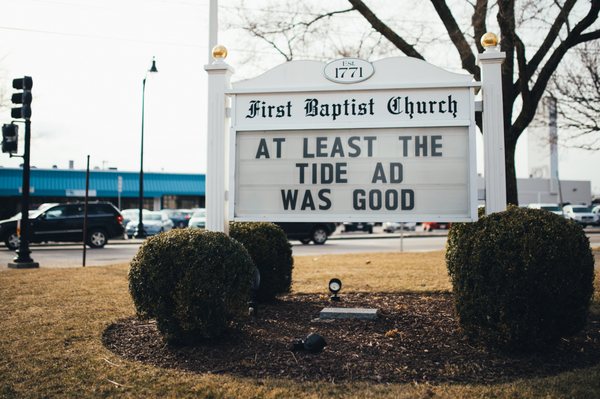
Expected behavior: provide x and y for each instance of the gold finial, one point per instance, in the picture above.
(489, 40)
(219, 52)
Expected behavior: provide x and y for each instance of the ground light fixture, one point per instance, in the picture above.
(313, 343)
(335, 285)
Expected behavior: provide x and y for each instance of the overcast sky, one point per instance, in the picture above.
(88, 59)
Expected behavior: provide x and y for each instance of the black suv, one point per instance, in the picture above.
(64, 222)
(307, 232)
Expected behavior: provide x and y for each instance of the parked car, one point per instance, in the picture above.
(307, 232)
(198, 219)
(430, 226)
(554, 208)
(354, 226)
(391, 227)
(596, 211)
(179, 217)
(64, 223)
(154, 223)
(581, 214)
(131, 214)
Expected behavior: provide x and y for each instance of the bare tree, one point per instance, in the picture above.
(576, 87)
(535, 35)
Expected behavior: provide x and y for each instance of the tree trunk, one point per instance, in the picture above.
(512, 196)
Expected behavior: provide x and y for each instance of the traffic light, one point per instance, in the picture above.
(24, 98)
(10, 137)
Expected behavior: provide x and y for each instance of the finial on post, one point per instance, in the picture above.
(219, 53)
(489, 41)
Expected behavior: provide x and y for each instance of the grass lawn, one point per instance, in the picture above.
(53, 319)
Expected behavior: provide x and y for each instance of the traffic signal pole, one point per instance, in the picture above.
(23, 259)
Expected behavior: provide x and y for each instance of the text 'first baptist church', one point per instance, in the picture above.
(351, 107)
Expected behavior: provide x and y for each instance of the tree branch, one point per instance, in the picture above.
(572, 39)
(562, 17)
(478, 21)
(385, 30)
(326, 15)
(467, 57)
(588, 37)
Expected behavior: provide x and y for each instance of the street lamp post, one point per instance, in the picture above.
(140, 232)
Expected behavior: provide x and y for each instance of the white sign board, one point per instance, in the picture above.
(79, 193)
(385, 149)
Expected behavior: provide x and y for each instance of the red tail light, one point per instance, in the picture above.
(120, 219)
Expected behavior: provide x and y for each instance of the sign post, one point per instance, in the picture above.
(219, 74)
(490, 62)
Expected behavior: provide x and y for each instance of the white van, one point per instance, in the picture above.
(581, 214)
(554, 208)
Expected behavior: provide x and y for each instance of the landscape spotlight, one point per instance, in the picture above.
(313, 343)
(335, 285)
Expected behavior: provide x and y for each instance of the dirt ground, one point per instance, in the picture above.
(415, 338)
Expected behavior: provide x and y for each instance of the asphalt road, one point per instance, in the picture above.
(122, 251)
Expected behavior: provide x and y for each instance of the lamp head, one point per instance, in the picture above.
(335, 285)
(153, 67)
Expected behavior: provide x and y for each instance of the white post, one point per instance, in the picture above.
(219, 74)
(490, 62)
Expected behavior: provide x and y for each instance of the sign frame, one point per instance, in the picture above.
(237, 127)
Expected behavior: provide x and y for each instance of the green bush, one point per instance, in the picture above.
(522, 278)
(272, 254)
(194, 283)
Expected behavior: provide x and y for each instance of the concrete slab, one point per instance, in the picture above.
(348, 313)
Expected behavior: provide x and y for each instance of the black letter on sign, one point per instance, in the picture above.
(408, 199)
(435, 145)
(396, 175)
(375, 200)
(278, 141)
(308, 201)
(379, 174)
(325, 201)
(289, 197)
(262, 149)
(358, 200)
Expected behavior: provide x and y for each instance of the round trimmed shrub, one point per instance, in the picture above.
(271, 252)
(522, 278)
(193, 282)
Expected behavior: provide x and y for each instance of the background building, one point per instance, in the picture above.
(161, 190)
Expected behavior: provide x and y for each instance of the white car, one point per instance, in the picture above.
(596, 211)
(554, 208)
(581, 214)
(391, 227)
(198, 219)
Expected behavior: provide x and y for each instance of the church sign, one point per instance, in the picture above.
(394, 141)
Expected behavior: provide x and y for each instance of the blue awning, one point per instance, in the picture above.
(103, 183)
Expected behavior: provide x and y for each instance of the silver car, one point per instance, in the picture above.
(154, 223)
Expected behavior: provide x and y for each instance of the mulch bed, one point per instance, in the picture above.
(416, 338)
